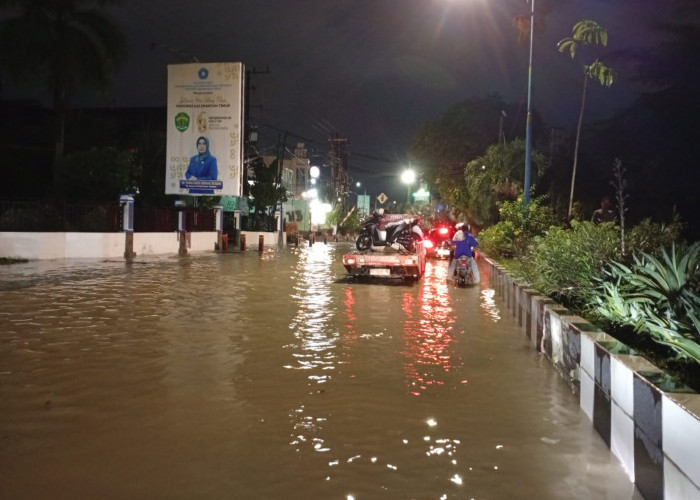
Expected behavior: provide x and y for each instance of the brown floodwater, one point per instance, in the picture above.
(271, 376)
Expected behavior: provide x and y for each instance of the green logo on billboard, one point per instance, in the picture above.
(182, 121)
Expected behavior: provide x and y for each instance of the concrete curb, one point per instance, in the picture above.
(650, 421)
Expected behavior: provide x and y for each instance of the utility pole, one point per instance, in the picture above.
(281, 148)
(501, 134)
(339, 164)
(528, 123)
(249, 132)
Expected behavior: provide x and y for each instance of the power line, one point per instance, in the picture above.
(353, 154)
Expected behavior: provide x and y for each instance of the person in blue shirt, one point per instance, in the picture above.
(203, 165)
(464, 243)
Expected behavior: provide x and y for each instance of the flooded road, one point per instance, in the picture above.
(249, 376)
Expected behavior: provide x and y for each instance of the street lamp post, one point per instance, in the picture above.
(528, 123)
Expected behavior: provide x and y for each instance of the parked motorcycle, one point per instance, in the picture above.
(399, 232)
(464, 276)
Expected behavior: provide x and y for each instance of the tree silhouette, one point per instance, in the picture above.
(586, 32)
(62, 45)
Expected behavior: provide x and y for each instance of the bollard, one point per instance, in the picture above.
(129, 253)
(221, 245)
(261, 243)
(311, 240)
(182, 239)
(181, 230)
(243, 245)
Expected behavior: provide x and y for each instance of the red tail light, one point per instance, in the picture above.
(443, 230)
(428, 244)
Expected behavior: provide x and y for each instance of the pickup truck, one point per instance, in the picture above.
(386, 264)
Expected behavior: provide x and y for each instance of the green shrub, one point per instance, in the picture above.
(658, 298)
(564, 262)
(499, 241)
(514, 232)
(652, 237)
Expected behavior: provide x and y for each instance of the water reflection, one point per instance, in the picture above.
(316, 340)
(266, 375)
(349, 328)
(427, 331)
(311, 284)
(488, 304)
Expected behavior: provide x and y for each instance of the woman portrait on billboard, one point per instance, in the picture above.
(203, 165)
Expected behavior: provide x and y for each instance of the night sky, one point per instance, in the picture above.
(374, 70)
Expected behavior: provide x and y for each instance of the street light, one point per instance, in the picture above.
(528, 123)
(311, 194)
(314, 172)
(408, 177)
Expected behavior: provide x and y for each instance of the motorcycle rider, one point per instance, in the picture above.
(464, 242)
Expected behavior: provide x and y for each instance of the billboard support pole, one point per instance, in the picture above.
(181, 230)
(127, 204)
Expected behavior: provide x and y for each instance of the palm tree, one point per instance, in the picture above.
(61, 45)
(586, 32)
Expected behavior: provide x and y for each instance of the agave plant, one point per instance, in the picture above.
(656, 297)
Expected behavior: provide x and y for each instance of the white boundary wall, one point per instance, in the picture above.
(47, 246)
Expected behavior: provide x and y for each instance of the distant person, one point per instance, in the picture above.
(464, 243)
(203, 165)
(604, 213)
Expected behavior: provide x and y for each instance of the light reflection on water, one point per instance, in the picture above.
(272, 376)
(488, 304)
(317, 343)
(428, 336)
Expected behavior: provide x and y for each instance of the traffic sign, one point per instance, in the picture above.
(381, 198)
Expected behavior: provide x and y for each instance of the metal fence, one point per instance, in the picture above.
(50, 216)
(47, 216)
(160, 219)
(263, 223)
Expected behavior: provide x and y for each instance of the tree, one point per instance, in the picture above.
(97, 175)
(347, 220)
(266, 191)
(496, 177)
(62, 45)
(443, 147)
(586, 32)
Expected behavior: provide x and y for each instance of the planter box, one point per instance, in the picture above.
(650, 422)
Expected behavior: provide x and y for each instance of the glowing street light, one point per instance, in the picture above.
(314, 172)
(408, 177)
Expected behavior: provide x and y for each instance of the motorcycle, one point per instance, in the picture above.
(464, 276)
(398, 232)
(444, 250)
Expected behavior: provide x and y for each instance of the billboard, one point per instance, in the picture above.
(204, 152)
